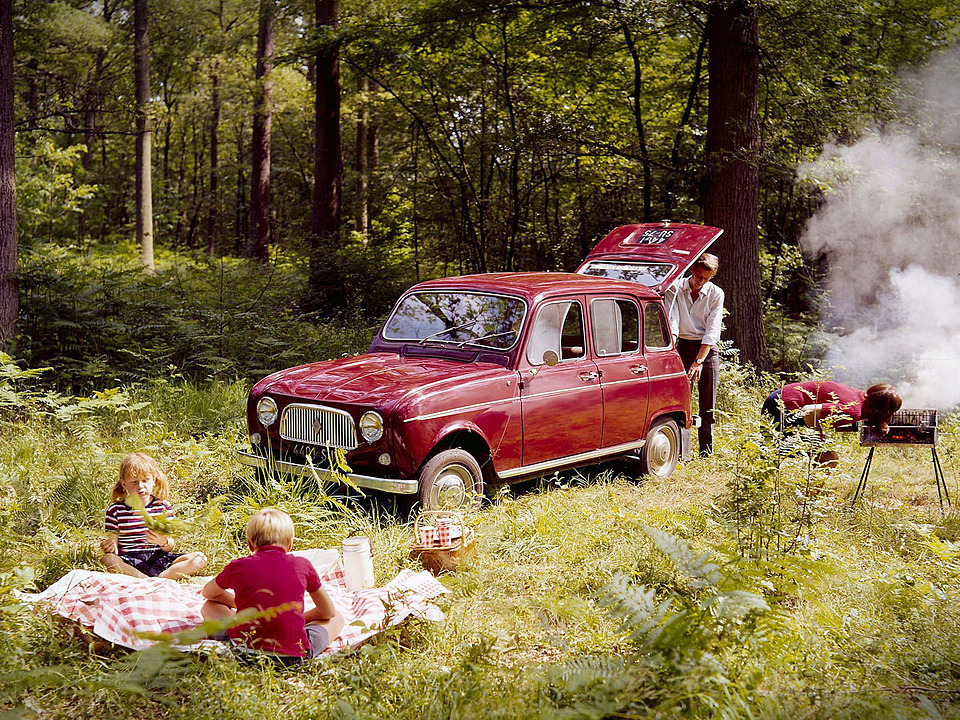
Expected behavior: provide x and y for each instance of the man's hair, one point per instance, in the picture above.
(708, 262)
(270, 527)
(879, 405)
(136, 465)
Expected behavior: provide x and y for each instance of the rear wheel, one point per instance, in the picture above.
(451, 480)
(661, 451)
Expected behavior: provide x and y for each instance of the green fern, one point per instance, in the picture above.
(640, 614)
(697, 568)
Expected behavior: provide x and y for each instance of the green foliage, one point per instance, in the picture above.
(99, 320)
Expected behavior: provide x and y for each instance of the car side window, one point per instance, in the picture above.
(616, 326)
(558, 327)
(656, 332)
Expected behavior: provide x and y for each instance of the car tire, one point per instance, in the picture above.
(661, 452)
(451, 480)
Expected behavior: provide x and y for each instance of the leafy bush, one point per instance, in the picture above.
(100, 320)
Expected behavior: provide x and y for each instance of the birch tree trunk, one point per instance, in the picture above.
(144, 163)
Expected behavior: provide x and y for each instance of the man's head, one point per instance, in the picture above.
(703, 271)
(270, 527)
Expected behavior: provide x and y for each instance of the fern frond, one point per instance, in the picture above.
(636, 606)
(734, 605)
(585, 671)
(697, 568)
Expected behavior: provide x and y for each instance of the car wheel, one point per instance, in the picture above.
(661, 451)
(450, 480)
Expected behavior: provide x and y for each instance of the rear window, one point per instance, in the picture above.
(649, 274)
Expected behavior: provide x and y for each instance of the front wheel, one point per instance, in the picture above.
(661, 451)
(450, 480)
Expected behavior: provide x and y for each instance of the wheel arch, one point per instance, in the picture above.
(470, 440)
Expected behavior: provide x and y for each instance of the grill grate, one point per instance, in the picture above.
(908, 428)
(318, 425)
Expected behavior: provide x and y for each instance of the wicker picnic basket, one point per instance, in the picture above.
(446, 554)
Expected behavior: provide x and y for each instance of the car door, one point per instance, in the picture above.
(624, 378)
(561, 404)
(664, 368)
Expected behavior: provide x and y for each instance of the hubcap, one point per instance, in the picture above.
(450, 488)
(663, 450)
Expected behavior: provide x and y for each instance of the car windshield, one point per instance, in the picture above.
(457, 318)
(649, 274)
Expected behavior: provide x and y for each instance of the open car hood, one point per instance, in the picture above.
(651, 254)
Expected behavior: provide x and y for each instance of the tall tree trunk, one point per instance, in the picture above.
(328, 156)
(638, 121)
(213, 210)
(9, 296)
(239, 231)
(362, 220)
(731, 199)
(144, 164)
(260, 230)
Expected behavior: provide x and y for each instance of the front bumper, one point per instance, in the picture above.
(390, 485)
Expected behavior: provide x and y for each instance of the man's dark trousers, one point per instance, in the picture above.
(706, 388)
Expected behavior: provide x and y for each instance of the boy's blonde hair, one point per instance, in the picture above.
(135, 465)
(270, 527)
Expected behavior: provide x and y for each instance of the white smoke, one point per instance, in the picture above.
(891, 230)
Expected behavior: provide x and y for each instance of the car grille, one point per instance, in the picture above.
(318, 425)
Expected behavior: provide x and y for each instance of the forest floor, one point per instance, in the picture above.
(743, 586)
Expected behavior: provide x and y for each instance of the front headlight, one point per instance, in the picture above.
(267, 411)
(371, 426)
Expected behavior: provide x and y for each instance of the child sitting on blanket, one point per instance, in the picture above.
(272, 578)
(135, 545)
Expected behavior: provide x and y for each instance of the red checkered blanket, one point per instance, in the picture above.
(123, 610)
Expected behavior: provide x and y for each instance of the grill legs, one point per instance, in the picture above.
(862, 485)
(942, 492)
(941, 481)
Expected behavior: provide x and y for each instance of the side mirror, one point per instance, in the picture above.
(550, 357)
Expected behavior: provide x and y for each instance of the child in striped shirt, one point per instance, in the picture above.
(131, 547)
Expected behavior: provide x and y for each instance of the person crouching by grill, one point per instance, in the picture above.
(809, 404)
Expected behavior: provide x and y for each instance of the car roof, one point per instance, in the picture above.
(533, 286)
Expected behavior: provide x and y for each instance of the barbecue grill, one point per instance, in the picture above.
(908, 428)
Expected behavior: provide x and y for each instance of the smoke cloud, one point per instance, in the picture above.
(891, 231)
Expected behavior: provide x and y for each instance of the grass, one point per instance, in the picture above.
(861, 620)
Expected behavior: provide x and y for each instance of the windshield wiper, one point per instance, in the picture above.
(476, 340)
(446, 330)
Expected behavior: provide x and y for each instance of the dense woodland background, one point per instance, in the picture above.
(196, 193)
(357, 147)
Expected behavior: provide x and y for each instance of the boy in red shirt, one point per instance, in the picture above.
(272, 578)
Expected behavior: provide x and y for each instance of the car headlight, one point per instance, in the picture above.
(267, 411)
(371, 426)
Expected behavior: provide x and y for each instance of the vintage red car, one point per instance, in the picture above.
(492, 378)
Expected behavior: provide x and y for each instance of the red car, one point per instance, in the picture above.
(494, 378)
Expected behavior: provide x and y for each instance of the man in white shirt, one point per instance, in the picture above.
(695, 306)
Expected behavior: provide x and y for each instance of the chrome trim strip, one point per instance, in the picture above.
(572, 459)
(391, 485)
(459, 410)
(668, 375)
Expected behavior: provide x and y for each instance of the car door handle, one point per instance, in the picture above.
(588, 376)
(638, 369)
